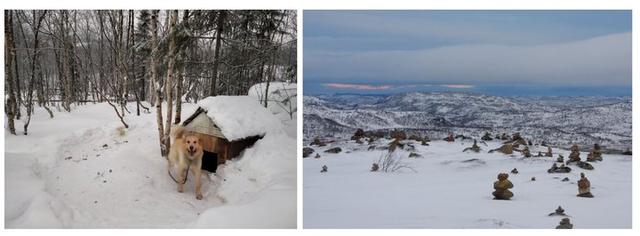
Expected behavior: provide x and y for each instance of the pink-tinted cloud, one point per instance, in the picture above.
(458, 86)
(358, 86)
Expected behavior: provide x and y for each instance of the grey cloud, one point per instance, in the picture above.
(600, 60)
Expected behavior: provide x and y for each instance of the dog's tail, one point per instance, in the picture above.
(176, 132)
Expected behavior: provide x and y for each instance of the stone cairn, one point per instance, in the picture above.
(565, 223)
(474, 147)
(558, 212)
(450, 138)
(486, 137)
(526, 152)
(584, 187)
(574, 156)
(595, 154)
(502, 187)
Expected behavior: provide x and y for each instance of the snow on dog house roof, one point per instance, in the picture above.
(232, 118)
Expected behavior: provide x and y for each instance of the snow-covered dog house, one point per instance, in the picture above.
(227, 125)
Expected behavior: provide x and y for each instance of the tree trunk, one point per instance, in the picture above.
(100, 82)
(181, 75)
(34, 58)
(156, 81)
(216, 53)
(169, 83)
(8, 55)
(66, 58)
(18, 92)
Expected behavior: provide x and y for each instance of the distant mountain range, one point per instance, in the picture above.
(559, 121)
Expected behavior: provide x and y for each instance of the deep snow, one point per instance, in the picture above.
(446, 192)
(79, 171)
(240, 116)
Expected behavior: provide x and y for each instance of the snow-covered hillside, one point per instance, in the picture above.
(556, 120)
(452, 189)
(80, 170)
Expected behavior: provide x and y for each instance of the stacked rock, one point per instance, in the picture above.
(584, 187)
(502, 187)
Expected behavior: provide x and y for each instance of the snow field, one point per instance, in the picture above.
(447, 192)
(78, 171)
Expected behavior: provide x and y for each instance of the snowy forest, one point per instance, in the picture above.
(56, 59)
(92, 97)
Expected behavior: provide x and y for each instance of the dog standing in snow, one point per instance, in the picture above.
(186, 155)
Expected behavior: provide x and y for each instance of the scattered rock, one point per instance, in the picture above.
(560, 159)
(371, 148)
(334, 150)
(317, 155)
(533, 178)
(416, 137)
(68, 158)
(324, 169)
(475, 160)
(375, 167)
(584, 165)
(358, 135)
(105, 146)
(398, 135)
(565, 179)
(318, 142)
(506, 149)
(555, 169)
(414, 155)
(307, 151)
(473, 148)
(514, 171)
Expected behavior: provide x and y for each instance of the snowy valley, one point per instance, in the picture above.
(559, 121)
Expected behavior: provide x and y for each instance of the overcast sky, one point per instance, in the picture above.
(465, 49)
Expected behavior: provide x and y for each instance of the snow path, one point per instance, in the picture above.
(78, 171)
(449, 193)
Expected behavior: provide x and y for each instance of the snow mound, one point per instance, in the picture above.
(261, 183)
(240, 116)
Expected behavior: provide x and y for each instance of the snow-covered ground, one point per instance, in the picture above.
(79, 171)
(449, 190)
